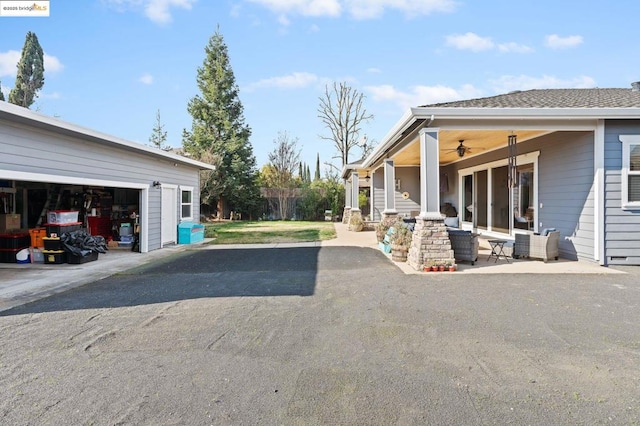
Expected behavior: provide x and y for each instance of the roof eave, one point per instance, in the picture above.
(426, 113)
(407, 119)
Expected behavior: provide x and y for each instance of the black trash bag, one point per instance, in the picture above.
(80, 243)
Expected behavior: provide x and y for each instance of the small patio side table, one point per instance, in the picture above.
(497, 250)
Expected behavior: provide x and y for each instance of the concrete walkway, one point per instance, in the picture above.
(20, 284)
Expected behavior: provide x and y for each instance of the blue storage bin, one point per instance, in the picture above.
(190, 233)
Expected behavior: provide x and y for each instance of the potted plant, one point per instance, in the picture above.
(400, 242)
(428, 266)
(452, 266)
(441, 267)
(381, 231)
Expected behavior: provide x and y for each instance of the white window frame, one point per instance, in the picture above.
(627, 142)
(190, 204)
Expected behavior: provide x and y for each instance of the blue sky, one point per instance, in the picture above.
(111, 64)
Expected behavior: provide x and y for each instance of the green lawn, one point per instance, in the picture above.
(239, 232)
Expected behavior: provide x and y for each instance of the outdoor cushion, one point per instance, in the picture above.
(452, 222)
(546, 231)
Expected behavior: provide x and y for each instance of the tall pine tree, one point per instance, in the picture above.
(158, 136)
(30, 76)
(1, 94)
(218, 130)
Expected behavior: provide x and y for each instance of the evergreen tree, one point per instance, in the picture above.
(30, 76)
(1, 94)
(317, 175)
(307, 175)
(158, 137)
(218, 130)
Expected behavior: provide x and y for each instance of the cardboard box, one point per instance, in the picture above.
(9, 222)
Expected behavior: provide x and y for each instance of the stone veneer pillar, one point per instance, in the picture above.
(354, 213)
(346, 215)
(430, 243)
(388, 219)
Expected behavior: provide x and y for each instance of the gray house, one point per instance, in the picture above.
(49, 164)
(518, 163)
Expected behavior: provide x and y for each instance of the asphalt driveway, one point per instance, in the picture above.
(332, 335)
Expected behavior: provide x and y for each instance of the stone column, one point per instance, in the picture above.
(430, 243)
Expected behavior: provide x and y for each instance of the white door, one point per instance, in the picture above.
(169, 214)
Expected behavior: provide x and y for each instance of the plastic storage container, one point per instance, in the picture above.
(52, 243)
(57, 229)
(14, 241)
(61, 217)
(8, 255)
(189, 233)
(72, 258)
(54, 257)
(36, 237)
(37, 256)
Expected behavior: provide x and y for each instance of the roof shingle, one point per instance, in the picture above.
(552, 98)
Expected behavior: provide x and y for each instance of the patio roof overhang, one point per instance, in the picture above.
(484, 129)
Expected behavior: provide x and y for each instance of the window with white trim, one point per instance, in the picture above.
(630, 171)
(186, 203)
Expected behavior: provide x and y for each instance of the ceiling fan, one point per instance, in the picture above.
(461, 149)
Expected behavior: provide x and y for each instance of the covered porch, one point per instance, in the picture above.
(494, 173)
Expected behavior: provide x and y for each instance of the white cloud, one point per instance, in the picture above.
(159, 11)
(146, 79)
(296, 80)
(9, 61)
(302, 7)
(554, 41)
(514, 47)
(475, 43)
(374, 70)
(358, 9)
(470, 41)
(369, 9)
(314, 28)
(52, 64)
(509, 83)
(421, 95)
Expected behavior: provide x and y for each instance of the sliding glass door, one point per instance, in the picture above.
(489, 204)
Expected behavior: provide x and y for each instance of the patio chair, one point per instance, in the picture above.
(540, 246)
(465, 245)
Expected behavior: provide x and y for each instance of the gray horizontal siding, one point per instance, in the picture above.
(409, 182)
(566, 174)
(622, 227)
(378, 194)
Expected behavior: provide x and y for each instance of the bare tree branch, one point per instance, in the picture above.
(342, 112)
